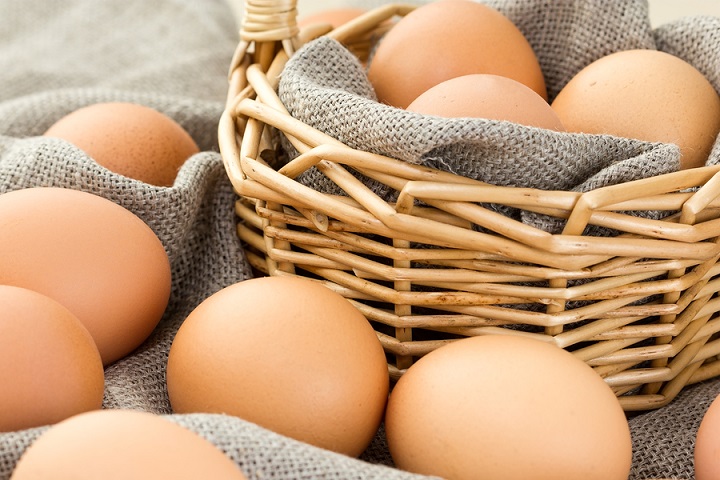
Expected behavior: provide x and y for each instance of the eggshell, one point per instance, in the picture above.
(286, 353)
(644, 94)
(50, 368)
(446, 39)
(129, 139)
(510, 407)
(123, 444)
(333, 17)
(483, 95)
(91, 255)
(707, 444)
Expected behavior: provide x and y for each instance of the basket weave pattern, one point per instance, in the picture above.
(434, 264)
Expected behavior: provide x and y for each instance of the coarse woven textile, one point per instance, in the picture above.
(566, 35)
(173, 55)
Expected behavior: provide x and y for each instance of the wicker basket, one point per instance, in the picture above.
(640, 307)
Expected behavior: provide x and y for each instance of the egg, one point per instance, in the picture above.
(50, 368)
(130, 139)
(510, 407)
(333, 17)
(484, 95)
(647, 95)
(288, 354)
(707, 444)
(123, 444)
(446, 39)
(96, 258)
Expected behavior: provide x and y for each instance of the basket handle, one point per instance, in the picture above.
(268, 22)
(368, 21)
(263, 25)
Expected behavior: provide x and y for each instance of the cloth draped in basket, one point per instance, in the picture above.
(325, 77)
(173, 55)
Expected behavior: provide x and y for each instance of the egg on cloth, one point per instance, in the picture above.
(129, 139)
(483, 95)
(446, 39)
(288, 354)
(507, 407)
(96, 258)
(122, 444)
(647, 95)
(50, 368)
(706, 454)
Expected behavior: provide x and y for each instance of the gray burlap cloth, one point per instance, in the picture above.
(173, 55)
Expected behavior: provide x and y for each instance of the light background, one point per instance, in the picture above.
(661, 11)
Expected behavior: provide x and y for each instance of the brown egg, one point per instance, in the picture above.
(133, 140)
(333, 17)
(483, 95)
(50, 368)
(707, 444)
(288, 354)
(123, 444)
(647, 95)
(505, 406)
(446, 39)
(91, 255)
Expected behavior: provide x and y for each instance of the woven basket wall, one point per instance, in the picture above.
(640, 307)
